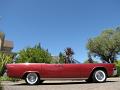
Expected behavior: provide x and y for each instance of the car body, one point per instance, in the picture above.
(42, 71)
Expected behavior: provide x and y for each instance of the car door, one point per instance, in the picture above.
(52, 70)
(71, 71)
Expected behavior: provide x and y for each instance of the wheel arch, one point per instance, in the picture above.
(98, 68)
(25, 74)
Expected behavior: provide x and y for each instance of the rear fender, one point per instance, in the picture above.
(98, 68)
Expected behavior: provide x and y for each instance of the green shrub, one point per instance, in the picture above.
(5, 78)
(118, 70)
(117, 63)
(4, 59)
(34, 54)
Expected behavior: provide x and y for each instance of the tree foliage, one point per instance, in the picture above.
(68, 55)
(69, 52)
(61, 58)
(118, 67)
(34, 54)
(106, 45)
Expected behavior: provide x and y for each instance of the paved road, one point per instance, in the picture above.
(111, 84)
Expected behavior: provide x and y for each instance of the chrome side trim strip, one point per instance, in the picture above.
(64, 78)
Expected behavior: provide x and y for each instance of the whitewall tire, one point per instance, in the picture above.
(32, 78)
(99, 76)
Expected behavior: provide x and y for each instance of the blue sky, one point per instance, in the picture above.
(57, 24)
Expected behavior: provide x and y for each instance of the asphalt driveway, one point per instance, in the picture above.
(111, 84)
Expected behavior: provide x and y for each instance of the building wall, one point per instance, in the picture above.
(0, 43)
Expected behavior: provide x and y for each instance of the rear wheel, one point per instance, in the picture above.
(99, 76)
(32, 79)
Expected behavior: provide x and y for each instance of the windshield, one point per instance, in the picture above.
(74, 61)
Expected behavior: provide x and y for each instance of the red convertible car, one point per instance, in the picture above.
(35, 73)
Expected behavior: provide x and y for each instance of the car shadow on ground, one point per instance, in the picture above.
(61, 83)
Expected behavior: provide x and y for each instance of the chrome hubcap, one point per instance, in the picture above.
(32, 78)
(100, 75)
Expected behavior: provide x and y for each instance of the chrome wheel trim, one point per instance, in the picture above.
(100, 76)
(32, 78)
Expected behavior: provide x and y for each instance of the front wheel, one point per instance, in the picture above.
(99, 76)
(32, 78)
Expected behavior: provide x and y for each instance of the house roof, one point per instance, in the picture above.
(8, 44)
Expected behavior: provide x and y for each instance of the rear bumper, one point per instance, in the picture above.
(114, 72)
